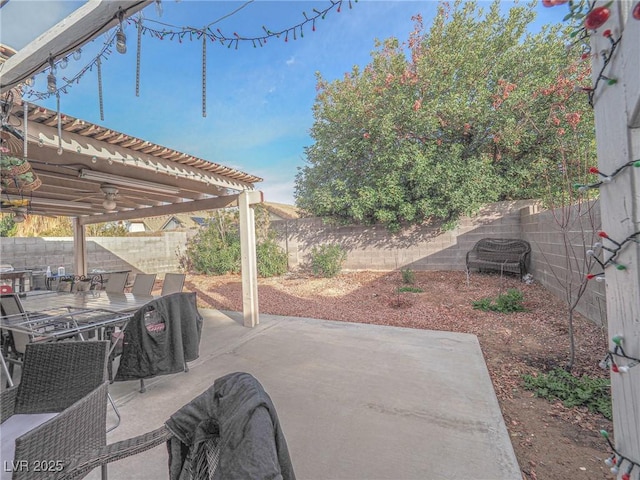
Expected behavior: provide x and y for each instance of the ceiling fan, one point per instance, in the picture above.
(109, 194)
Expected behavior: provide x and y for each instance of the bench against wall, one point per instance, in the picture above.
(500, 254)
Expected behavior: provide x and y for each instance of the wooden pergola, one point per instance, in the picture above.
(95, 174)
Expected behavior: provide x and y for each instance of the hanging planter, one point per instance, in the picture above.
(17, 176)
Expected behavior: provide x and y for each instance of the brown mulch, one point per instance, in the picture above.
(550, 441)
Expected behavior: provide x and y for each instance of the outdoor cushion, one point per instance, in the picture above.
(14, 427)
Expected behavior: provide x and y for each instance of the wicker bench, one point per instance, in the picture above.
(500, 254)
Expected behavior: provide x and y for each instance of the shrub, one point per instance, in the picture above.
(410, 289)
(272, 260)
(327, 260)
(558, 384)
(215, 249)
(408, 276)
(504, 303)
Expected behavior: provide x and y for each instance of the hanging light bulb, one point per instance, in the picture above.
(121, 38)
(30, 81)
(77, 55)
(51, 83)
(51, 78)
(121, 42)
(63, 63)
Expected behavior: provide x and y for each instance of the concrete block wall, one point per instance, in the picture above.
(419, 247)
(156, 254)
(549, 258)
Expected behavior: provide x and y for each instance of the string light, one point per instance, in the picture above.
(180, 33)
(617, 461)
(190, 33)
(590, 18)
(618, 353)
(614, 250)
(606, 178)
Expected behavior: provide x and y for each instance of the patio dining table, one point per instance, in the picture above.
(57, 315)
(91, 299)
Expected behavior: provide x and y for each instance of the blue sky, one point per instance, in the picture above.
(259, 100)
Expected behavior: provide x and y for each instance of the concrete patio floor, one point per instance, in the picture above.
(355, 401)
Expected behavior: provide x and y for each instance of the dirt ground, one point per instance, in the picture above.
(550, 441)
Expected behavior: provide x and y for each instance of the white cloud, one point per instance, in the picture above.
(291, 60)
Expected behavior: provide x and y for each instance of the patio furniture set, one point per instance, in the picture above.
(65, 345)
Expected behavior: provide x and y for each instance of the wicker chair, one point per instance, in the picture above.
(67, 381)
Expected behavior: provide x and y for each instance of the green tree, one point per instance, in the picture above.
(438, 127)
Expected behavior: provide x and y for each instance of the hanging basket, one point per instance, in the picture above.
(17, 176)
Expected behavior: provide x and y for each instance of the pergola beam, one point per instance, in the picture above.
(79, 28)
(171, 209)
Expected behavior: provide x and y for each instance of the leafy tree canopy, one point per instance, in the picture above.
(457, 117)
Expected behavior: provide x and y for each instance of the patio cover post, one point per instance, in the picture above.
(79, 248)
(248, 256)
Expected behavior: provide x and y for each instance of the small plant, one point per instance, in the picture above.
(408, 276)
(327, 260)
(504, 303)
(410, 289)
(558, 384)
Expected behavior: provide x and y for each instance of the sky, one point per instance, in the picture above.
(259, 100)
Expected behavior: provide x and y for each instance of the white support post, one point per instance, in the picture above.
(618, 138)
(79, 248)
(248, 255)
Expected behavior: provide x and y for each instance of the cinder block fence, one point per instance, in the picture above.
(424, 247)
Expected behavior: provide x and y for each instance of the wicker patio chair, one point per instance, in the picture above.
(231, 430)
(58, 410)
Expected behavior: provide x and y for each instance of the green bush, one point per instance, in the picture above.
(504, 303)
(408, 276)
(272, 260)
(558, 384)
(327, 260)
(215, 250)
